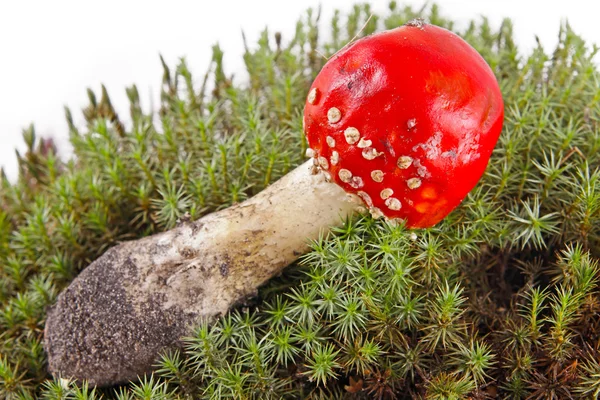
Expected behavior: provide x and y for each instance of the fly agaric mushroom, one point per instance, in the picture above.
(406, 120)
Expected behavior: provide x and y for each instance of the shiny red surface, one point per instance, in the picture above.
(384, 82)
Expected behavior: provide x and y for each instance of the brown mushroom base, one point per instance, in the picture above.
(140, 297)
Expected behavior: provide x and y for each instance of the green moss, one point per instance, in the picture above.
(501, 298)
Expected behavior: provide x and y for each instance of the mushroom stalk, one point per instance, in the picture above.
(141, 296)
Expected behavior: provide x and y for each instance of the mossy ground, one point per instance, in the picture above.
(499, 300)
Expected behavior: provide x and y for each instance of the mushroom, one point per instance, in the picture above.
(407, 120)
(401, 123)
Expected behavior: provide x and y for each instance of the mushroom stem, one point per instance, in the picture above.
(141, 296)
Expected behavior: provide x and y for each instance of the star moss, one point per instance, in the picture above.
(500, 299)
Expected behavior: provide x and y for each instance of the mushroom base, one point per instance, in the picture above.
(140, 297)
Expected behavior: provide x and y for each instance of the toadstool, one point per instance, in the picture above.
(407, 120)
(401, 123)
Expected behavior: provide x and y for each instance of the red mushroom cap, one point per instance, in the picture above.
(406, 119)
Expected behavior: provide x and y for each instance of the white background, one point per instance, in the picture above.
(51, 51)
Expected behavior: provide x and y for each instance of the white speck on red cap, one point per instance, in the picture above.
(362, 144)
(330, 141)
(352, 135)
(366, 198)
(411, 123)
(393, 203)
(357, 182)
(376, 212)
(312, 96)
(335, 157)
(370, 153)
(377, 175)
(334, 115)
(385, 193)
(345, 175)
(404, 162)
(413, 183)
(323, 163)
